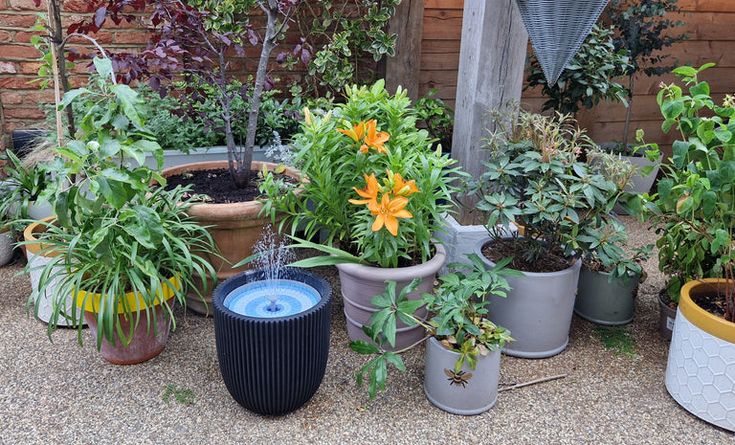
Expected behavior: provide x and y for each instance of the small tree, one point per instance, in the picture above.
(588, 78)
(644, 29)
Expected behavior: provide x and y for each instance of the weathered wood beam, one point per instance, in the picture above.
(403, 69)
(491, 64)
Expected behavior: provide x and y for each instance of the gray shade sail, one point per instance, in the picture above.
(557, 29)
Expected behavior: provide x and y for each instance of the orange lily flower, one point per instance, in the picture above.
(374, 138)
(402, 187)
(356, 133)
(369, 193)
(388, 212)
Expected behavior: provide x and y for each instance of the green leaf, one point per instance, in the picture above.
(69, 97)
(363, 347)
(103, 66)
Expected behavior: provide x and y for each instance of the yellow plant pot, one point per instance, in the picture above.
(712, 324)
(90, 302)
(700, 374)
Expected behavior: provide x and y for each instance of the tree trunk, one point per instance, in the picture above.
(628, 112)
(269, 42)
(56, 40)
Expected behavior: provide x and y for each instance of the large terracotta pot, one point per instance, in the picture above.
(148, 341)
(359, 284)
(700, 374)
(38, 257)
(234, 227)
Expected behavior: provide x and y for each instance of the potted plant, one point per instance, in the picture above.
(462, 364)
(609, 278)
(688, 195)
(232, 213)
(26, 187)
(535, 179)
(123, 249)
(376, 193)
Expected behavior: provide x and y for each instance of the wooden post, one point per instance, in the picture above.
(403, 69)
(491, 65)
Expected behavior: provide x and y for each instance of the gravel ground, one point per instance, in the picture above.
(61, 393)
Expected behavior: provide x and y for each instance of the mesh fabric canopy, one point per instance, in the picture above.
(557, 29)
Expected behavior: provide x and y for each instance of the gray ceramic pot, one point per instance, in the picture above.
(604, 301)
(360, 284)
(472, 392)
(537, 311)
(666, 317)
(7, 244)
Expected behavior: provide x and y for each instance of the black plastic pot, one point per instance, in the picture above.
(272, 366)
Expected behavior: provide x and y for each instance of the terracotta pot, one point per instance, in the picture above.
(700, 373)
(147, 341)
(360, 284)
(666, 317)
(234, 227)
(38, 256)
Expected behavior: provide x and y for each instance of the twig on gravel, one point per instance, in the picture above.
(533, 382)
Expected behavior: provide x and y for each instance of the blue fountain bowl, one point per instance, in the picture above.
(272, 298)
(272, 361)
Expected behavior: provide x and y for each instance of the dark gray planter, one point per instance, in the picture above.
(473, 392)
(604, 301)
(537, 311)
(666, 318)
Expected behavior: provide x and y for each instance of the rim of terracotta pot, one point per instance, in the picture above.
(709, 323)
(569, 270)
(233, 211)
(29, 235)
(398, 273)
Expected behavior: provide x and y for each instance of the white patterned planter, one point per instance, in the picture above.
(700, 374)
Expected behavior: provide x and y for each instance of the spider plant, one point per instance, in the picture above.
(140, 248)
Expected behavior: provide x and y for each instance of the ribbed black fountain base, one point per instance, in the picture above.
(272, 366)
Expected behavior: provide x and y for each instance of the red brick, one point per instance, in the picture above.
(14, 125)
(17, 20)
(29, 67)
(25, 36)
(101, 37)
(24, 113)
(16, 82)
(5, 36)
(136, 37)
(19, 52)
(30, 96)
(77, 5)
(28, 5)
(8, 68)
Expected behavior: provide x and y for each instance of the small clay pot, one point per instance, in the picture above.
(145, 343)
(360, 284)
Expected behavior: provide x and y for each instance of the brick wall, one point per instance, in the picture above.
(20, 101)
